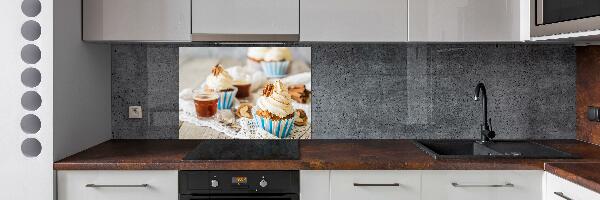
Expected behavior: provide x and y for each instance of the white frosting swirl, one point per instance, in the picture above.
(278, 54)
(279, 103)
(222, 81)
(257, 53)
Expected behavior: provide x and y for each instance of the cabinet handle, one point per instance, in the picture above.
(562, 195)
(493, 185)
(376, 184)
(115, 186)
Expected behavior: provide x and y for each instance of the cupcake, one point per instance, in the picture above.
(273, 111)
(276, 61)
(255, 55)
(220, 82)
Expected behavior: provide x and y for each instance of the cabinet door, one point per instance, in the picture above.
(117, 185)
(228, 19)
(482, 185)
(354, 20)
(314, 185)
(468, 21)
(136, 20)
(560, 189)
(375, 185)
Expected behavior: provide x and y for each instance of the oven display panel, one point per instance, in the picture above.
(239, 180)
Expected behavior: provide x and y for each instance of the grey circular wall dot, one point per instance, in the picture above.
(31, 54)
(31, 147)
(31, 77)
(31, 100)
(31, 30)
(31, 8)
(30, 124)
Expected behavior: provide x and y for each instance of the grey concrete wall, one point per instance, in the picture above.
(383, 90)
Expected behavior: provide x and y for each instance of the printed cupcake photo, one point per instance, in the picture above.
(274, 112)
(255, 55)
(221, 83)
(276, 62)
(244, 93)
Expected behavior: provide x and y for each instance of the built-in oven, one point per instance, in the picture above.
(238, 185)
(552, 17)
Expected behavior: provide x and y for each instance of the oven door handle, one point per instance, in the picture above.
(194, 198)
(189, 197)
(205, 197)
(285, 196)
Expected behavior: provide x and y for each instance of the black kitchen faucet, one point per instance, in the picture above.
(487, 134)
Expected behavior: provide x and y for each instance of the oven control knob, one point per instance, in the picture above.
(214, 183)
(263, 183)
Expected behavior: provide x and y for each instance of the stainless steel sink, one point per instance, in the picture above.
(469, 149)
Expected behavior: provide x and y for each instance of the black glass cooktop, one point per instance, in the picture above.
(245, 150)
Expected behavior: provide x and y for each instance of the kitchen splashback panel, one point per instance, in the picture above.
(374, 91)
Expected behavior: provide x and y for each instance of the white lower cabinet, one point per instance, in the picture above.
(375, 185)
(314, 184)
(482, 185)
(560, 189)
(117, 185)
(341, 185)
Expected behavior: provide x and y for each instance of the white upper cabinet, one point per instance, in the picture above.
(468, 20)
(136, 20)
(307, 20)
(245, 20)
(354, 20)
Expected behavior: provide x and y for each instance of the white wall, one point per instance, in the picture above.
(75, 95)
(23, 177)
(82, 86)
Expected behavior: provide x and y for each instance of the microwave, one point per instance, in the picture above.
(553, 17)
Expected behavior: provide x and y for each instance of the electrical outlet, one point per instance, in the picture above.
(135, 112)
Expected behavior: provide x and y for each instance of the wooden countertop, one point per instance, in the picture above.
(314, 155)
(584, 174)
(331, 155)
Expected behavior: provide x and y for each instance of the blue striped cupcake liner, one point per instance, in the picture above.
(226, 99)
(275, 69)
(278, 128)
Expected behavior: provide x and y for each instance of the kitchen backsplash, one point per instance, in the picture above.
(375, 91)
